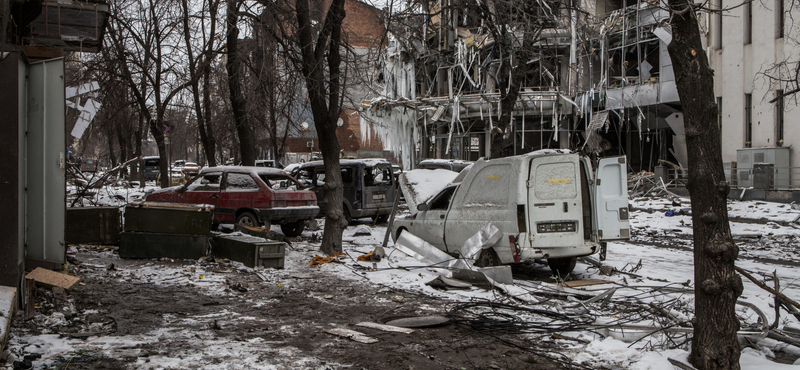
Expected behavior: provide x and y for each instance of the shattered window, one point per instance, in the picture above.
(347, 175)
(377, 176)
(442, 201)
(240, 181)
(279, 182)
(208, 182)
(490, 187)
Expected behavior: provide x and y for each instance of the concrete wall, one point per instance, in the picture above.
(738, 69)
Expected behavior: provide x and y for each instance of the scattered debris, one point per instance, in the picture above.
(49, 278)
(385, 327)
(319, 260)
(352, 334)
(446, 283)
(362, 230)
(417, 321)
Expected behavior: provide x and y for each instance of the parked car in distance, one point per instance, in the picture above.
(447, 164)
(152, 166)
(176, 177)
(191, 169)
(547, 204)
(250, 196)
(368, 187)
(268, 163)
(89, 165)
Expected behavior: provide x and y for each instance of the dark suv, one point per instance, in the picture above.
(368, 187)
(247, 195)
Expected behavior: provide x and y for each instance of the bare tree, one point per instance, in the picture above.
(200, 69)
(234, 67)
(314, 46)
(146, 36)
(717, 287)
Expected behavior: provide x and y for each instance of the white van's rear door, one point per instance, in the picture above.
(554, 201)
(611, 199)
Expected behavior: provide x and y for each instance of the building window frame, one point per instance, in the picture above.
(780, 19)
(748, 22)
(779, 116)
(748, 120)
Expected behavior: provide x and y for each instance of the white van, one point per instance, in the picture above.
(548, 204)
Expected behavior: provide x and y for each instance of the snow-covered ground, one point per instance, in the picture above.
(655, 267)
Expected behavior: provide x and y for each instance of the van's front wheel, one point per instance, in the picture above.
(562, 266)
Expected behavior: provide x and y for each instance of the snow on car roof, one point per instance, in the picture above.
(244, 169)
(443, 161)
(346, 162)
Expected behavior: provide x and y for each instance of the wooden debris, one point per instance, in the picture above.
(49, 278)
(29, 299)
(352, 334)
(391, 328)
(765, 287)
(319, 260)
(586, 282)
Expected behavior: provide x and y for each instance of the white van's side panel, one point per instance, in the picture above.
(611, 197)
(487, 195)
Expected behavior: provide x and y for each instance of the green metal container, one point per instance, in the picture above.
(151, 245)
(168, 219)
(92, 225)
(249, 250)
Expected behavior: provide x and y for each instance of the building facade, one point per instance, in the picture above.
(754, 52)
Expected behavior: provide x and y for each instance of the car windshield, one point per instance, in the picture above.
(280, 182)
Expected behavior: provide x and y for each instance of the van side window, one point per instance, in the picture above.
(240, 182)
(347, 175)
(377, 176)
(209, 182)
(490, 187)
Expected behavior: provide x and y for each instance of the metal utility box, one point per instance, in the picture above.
(151, 245)
(249, 250)
(168, 219)
(779, 157)
(92, 225)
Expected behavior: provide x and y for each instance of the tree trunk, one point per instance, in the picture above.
(238, 103)
(163, 168)
(715, 344)
(325, 106)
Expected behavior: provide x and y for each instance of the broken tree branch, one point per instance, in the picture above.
(765, 287)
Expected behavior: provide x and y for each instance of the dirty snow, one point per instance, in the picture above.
(657, 263)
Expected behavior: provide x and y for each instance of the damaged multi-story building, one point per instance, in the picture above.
(599, 80)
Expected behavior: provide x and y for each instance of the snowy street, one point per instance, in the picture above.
(632, 313)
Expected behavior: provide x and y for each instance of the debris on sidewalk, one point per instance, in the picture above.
(362, 230)
(50, 279)
(352, 334)
(319, 260)
(384, 327)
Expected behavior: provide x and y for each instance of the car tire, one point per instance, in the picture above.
(346, 214)
(562, 266)
(293, 228)
(248, 219)
(487, 258)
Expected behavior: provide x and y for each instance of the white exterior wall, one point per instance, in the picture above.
(737, 70)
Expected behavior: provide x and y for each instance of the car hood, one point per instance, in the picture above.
(419, 186)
